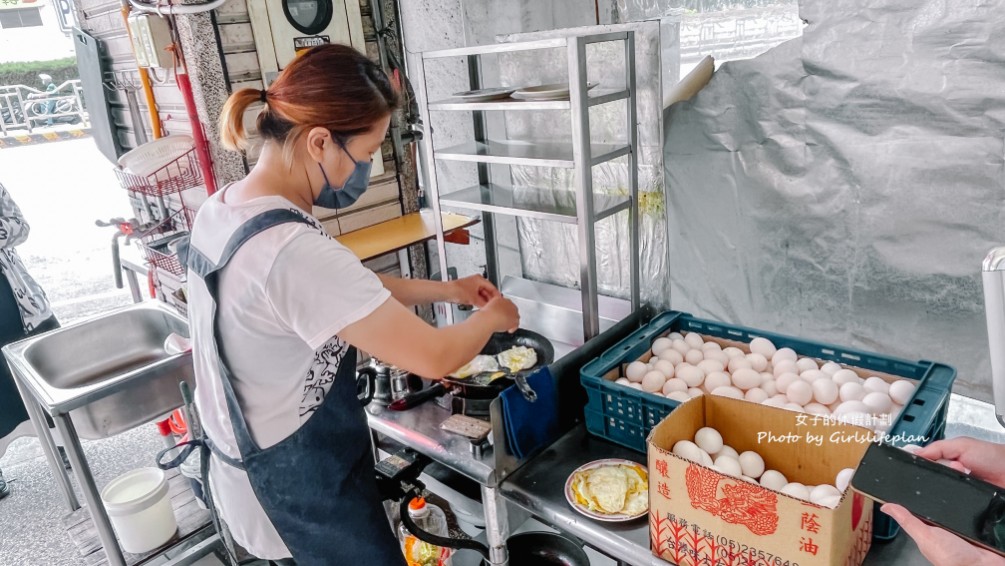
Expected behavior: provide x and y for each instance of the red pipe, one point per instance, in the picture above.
(201, 144)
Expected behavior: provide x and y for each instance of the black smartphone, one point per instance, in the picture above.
(971, 508)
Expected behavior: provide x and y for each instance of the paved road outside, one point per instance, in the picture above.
(62, 188)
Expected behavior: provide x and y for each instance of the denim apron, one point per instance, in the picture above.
(318, 485)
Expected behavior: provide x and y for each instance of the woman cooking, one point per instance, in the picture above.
(278, 309)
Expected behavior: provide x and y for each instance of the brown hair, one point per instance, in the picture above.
(329, 86)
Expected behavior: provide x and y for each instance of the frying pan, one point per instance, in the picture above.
(478, 386)
(525, 549)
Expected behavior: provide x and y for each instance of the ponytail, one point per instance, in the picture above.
(232, 132)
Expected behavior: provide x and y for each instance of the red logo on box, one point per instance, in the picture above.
(742, 503)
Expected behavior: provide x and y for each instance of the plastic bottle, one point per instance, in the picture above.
(431, 519)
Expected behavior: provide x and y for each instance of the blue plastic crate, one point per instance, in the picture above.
(626, 416)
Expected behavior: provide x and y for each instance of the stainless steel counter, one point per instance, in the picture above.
(539, 486)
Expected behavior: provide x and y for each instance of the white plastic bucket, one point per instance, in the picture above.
(140, 510)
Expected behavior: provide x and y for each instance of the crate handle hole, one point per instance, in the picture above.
(919, 402)
(909, 418)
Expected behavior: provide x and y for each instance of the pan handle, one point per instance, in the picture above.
(434, 539)
(521, 383)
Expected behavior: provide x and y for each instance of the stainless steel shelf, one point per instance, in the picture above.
(594, 97)
(497, 48)
(525, 153)
(542, 204)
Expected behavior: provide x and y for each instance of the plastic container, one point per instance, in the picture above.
(431, 519)
(140, 510)
(626, 416)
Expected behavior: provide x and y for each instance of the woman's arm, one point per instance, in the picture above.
(474, 290)
(13, 229)
(394, 334)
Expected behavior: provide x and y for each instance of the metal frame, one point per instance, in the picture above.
(581, 155)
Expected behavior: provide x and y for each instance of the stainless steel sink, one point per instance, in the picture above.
(111, 373)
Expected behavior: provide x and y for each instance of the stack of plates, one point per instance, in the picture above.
(555, 91)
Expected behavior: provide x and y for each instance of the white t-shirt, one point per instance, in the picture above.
(284, 297)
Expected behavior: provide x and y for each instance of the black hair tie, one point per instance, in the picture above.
(262, 96)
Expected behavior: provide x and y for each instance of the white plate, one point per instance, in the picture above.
(555, 91)
(484, 94)
(611, 518)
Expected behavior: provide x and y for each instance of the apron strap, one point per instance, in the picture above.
(209, 272)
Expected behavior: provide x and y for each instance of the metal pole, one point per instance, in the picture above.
(496, 525)
(634, 220)
(91, 496)
(432, 191)
(481, 136)
(583, 158)
(48, 444)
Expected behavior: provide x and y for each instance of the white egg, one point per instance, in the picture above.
(878, 402)
(622, 381)
(843, 479)
(877, 384)
(755, 395)
(783, 355)
(716, 380)
(773, 479)
(635, 385)
(769, 387)
(786, 366)
(739, 363)
(794, 407)
(675, 336)
(734, 352)
(719, 356)
(706, 460)
(785, 380)
(711, 347)
(781, 398)
(851, 392)
(758, 362)
(708, 439)
(653, 381)
(728, 391)
(813, 375)
(694, 340)
(746, 378)
(694, 357)
(752, 464)
(830, 368)
(895, 410)
(749, 479)
(901, 391)
(817, 409)
(691, 375)
(774, 402)
(763, 346)
(797, 490)
(672, 356)
(728, 450)
(818, 493)
(825, 391)
(661, 344)
(635, 371)
(664, 367)
(728, 465)
(852, 406)
(673, 385)
(799, 392)
(845, 376)
(687, 450)
(711, 366)
(806, 364)
(767, 375)
(681, 346)
(694, 392)
(679, 396)
(830, 502)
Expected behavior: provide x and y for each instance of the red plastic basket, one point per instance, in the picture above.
(181, 174)
(164, 259)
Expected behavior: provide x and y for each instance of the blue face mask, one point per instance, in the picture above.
(351, 190)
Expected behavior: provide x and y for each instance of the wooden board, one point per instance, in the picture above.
(399, 233)
(191, 519)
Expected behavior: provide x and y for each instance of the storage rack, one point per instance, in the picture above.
(579, 154)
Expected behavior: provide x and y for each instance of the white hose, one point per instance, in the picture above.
(176, 8)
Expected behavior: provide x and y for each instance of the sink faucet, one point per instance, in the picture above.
(993, 274)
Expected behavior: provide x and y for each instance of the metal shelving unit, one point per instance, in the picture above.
(580, 205)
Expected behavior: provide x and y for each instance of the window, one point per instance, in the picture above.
(22, 18)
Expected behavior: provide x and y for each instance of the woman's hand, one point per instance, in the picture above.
(941, 547)
(983, 460)
(472, 290)
(503, 313)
